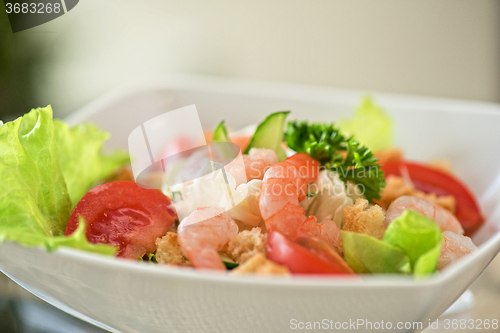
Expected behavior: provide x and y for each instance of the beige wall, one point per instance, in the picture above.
(448, 48)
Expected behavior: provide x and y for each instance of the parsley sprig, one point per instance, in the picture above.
(344, 155)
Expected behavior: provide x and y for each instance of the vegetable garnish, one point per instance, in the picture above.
(269, 134)
(220, 133)
(78, 240)
(84, 164)
(411, 243)
(366, 254)
(419, 237)
(42, 169)
(344, 155)
(371, 126)
(150, 257)
(228, 262)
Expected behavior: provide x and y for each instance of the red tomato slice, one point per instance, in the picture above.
(124, 215)
(300, 260)
(431, 180)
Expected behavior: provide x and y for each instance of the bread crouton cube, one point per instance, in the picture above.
(258, 264)
(397, 187)
(363, 219)
(246, 244)
(168, 250)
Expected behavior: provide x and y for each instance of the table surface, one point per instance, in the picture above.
(41, 318)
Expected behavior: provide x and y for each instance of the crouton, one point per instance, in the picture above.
(168, 250)
(396, 187)
(447, 201)
(258, 264)
(246, 244)
(389, 155)
(363, 219)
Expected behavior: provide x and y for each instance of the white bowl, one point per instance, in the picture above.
(130, 296)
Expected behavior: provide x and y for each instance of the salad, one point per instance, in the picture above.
(308, 198)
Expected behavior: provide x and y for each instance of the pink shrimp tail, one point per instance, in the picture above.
(254, 168)
(204, 232)
(206, 258)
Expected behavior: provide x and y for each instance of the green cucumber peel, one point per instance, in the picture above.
(220, 133)
(269, 134)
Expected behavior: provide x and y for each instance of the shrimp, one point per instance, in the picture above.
(327, 231)
(446, 220)
(258, 161)
(204, 232)
(283, 187)
(268, 155)
(454, 247)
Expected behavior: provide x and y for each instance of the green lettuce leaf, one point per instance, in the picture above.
(77, 240)
(427, 262)
(84, 164)
(35, 203)
(411, 244)
(367, 254)
(419, 237)
(371, 126)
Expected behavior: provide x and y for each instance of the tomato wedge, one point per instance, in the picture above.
(124, 215)
(301, 260)
(431, 180)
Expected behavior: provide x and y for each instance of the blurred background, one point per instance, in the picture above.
(445, 48)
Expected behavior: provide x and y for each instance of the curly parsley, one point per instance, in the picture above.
(344, 155)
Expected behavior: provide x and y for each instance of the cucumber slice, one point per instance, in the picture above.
(269, 134)
(226, 150)
(281, 154)
(230, 264)
(220, 133)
